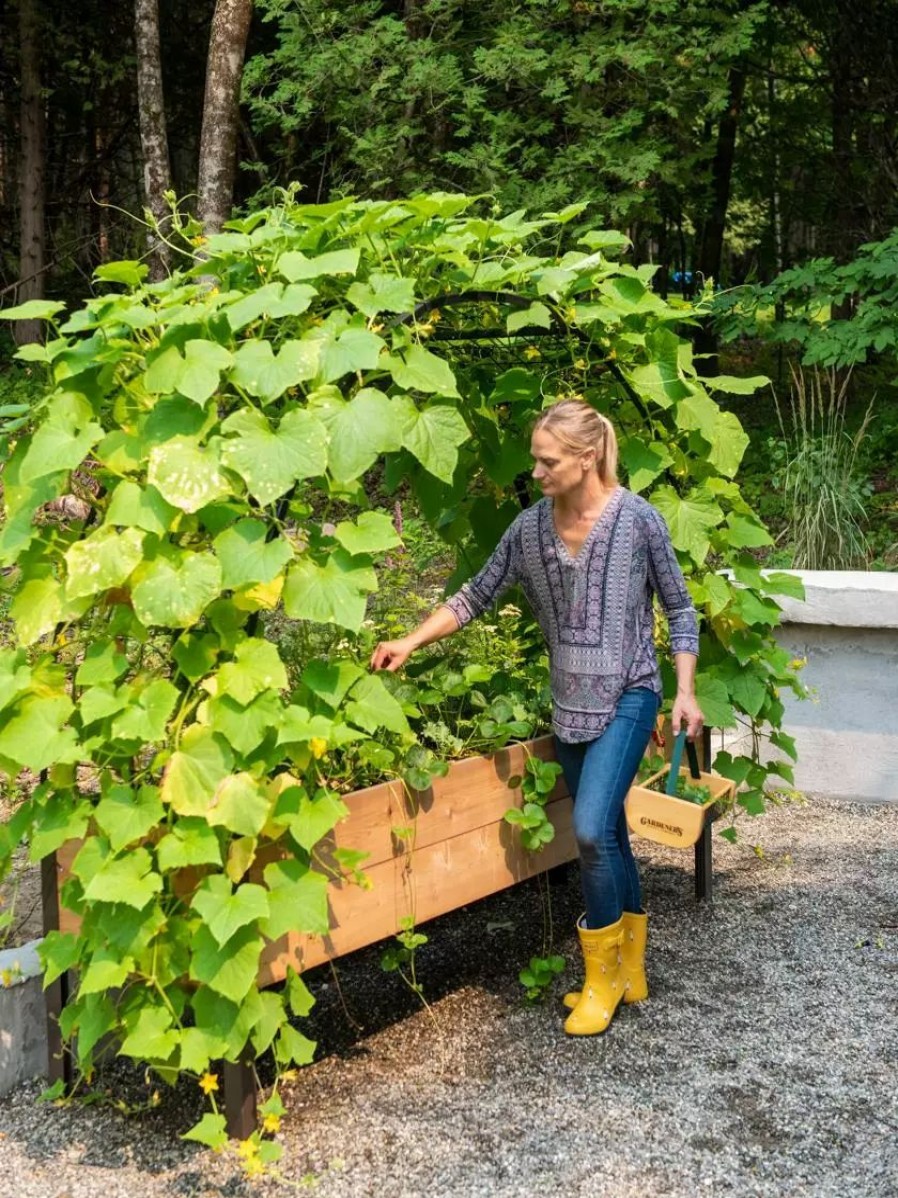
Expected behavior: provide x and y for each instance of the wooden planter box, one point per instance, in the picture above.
(460, 850)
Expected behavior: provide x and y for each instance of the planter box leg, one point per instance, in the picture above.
(240, 1099)
(704, 868)
(60, 1066)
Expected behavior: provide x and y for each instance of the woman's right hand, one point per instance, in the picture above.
(390, 655)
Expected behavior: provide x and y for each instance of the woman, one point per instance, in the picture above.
(589, 557)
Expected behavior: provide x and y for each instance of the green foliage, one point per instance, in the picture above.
(837, 315)
(536, 783)
(539, 975)
(226, 493)
(531, 103)
(819, 470)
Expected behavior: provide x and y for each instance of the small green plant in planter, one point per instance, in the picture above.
(687, 790)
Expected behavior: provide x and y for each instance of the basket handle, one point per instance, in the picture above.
(677, 756)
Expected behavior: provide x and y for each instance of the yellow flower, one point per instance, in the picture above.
(531, 352)
(271, 1123)
(248, 1149)
(318, 745)
(208, 1082)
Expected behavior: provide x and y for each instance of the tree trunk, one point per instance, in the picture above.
(218, 141)
(153, 133)
(32, 236)
(710, 251)
(711, 248)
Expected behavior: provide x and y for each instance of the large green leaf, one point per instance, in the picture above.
(40, 603)
(194, 771)
(174, 590)
(349, 351)
(36, 309)
(190, 842)
(373, 532)
(273, 300)
(271, 462)
(360, 431)
(260, 371)
(330, 680)
(257, 667)
(225, 909)
(187, 474)
(247, 555)
(239, 804)
(102, 662)
(729, 442)
(147, 713)
(151, 1036)
(421, 370)
(126, 814)
(35, 736)
(129, 879)
(371, 706)
(434, 439)
(106, 971)
(745, 687)
(15, 675)
(309, 819)
(98, 702)
(203, 363)
(56, 445)
(744, 532)
(330, 594)
(295, 265)
(736, 386)
(228, 969)
(714, 700)
(383, 293)
(103, 560)
(644, 462)
(690, 519)
(132, 506)
(297, 900)
(245, 727)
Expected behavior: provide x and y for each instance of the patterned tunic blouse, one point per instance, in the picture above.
(595, 610)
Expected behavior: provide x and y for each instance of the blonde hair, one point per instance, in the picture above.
(579, 427)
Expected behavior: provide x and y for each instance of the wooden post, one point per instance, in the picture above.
(60, 1066)
(704, 865)
(240, 1099)
(704, 868)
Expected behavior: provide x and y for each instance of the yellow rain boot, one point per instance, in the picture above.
(632, 961)
(603, 988)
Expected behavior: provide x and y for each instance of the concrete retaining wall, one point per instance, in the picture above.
(847, 734)
(23, 1017)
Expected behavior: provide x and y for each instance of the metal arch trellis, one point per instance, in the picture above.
(557, 330)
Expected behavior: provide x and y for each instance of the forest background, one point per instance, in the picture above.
(752, 144)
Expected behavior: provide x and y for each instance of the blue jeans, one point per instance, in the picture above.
(598, 775)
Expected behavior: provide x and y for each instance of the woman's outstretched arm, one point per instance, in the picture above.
(390, 655)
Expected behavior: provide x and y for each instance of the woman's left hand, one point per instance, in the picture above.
(687, 711)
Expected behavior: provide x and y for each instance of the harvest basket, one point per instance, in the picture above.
(663, 817)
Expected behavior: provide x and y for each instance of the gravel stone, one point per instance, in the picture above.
(765, 1062)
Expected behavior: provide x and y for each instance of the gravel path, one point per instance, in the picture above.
(764, 1064)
